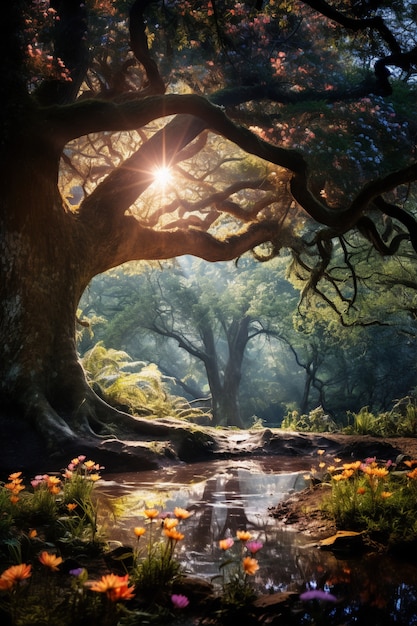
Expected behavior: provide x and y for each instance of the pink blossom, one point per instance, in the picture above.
(254, 546)
(179, 601)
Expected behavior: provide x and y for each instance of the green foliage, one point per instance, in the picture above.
(400, 421)
(316, 421)
(142, 392)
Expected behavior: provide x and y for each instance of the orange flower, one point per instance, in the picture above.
(151, 513)
(412, 474)
(361, 490)
(250, 565)
(5, 584)
(32, 533)
(14, 575)
(172, 533)
(115, 587)
(225, 544)
(15, 476)
(14, 499)
(386, 494)
(50, 560)
(243, 535)
(89, 465)
(71, 506)
(170, 523)
(139, 531)
(15, 487)
(181, 513)
(121, 593)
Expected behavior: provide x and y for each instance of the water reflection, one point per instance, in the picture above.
(229, 496)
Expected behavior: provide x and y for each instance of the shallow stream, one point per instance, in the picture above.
(226, 496)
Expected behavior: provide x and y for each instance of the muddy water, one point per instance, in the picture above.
(226, 496)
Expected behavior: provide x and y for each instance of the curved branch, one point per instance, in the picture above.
(356, 24)
(139, 243)
(139, 44)
(399, 214)
(83, 118)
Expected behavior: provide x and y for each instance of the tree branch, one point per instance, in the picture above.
(139, 44)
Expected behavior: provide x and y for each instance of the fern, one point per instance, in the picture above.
(141, 391)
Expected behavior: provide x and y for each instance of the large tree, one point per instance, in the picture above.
(73, 79)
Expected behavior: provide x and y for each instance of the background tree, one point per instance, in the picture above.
(77, 77)
(165, 315)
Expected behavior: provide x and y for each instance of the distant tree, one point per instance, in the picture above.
(211, 313)
(83, 91)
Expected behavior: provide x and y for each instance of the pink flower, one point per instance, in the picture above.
(254, 546)
(179, 601)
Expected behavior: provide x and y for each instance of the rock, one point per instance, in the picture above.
(343, 541)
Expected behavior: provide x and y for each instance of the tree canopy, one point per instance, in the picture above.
(314, 105)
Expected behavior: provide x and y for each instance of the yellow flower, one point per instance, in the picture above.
(139, 531)
(172, 533)
(331, 468)
(377, 472)
(151, 513)
(14, 575)
(243, 535)
(250, 565)
(322, 464)
(89, 465)
(50, 560)
(338, 477)
(53, 480)
(321, 452)
(181, 513)
(95, 477)
(352, 466)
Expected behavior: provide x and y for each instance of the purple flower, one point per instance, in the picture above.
(77, 571)
(254, 546)
(318, 594)
(179, 601)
